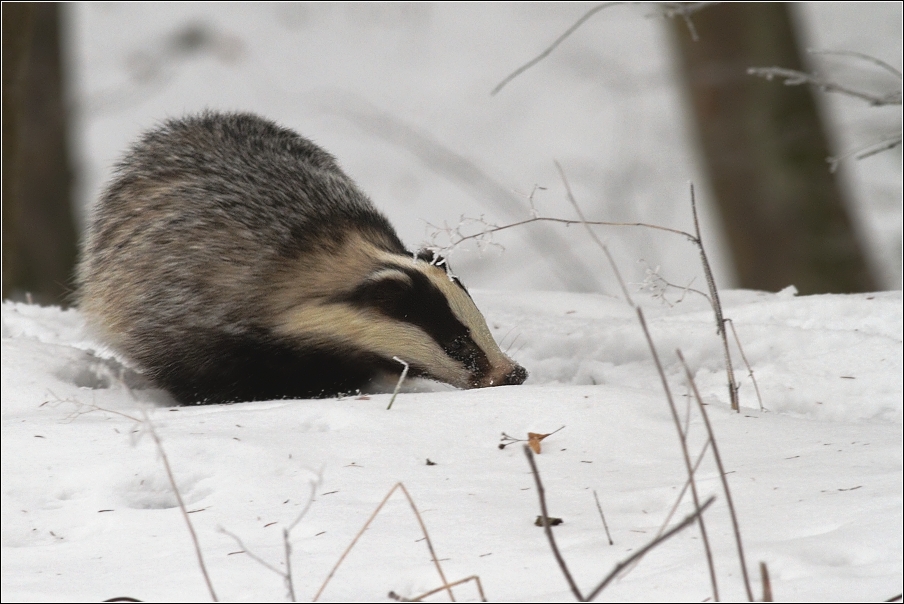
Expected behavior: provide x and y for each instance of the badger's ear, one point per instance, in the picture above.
(430, 256)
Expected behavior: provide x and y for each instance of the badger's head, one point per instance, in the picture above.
(375, 304)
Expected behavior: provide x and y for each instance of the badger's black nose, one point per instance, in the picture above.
(515, 377)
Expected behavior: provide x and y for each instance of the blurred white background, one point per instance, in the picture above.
(400, 94)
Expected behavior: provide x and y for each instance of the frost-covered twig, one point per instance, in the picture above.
(439, 569)
(658, 285)
(793, 77)
(722, 474)
(860, 55)
(483, 237)
(457, 238)
(885, 144)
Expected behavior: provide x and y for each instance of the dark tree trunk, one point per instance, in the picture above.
(39, 241)
(765, 151)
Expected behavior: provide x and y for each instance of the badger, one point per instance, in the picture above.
(231, 259)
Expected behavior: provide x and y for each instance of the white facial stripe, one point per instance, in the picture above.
(389, 273)
(464, 309)
(332, 324)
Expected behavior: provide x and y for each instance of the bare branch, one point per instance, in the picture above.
(717, 307)
(680, 497)
(593, 236)
(552, 46)
(668, 9)
(866, 151)
(688, 520)
(684, 10)
(287, 545)
(657, 285)
(793, 77)
(172, 480)
(767, 584)
(859, 55)
(603, 518)
(552, 540)
(492, 228)
(685, 453)
(746, 363)
(722, 475)
(474, 578)
(250, 554)
(399, 383)
(417, 514)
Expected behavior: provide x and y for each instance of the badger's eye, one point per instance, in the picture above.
(462, 349)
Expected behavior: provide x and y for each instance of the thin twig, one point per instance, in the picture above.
(688, 520)
(859, 55)
(793, 77)
(684, 488)
(603, 518)
(865, 151)
(668, 9)
(474, 578)
(717, 307)
(552, 46)
(767, 584)
(684, 10)
(593, 236)
(287, 545)
(172, 480)
(399, 383)
(746, 363)
(549, 536)
(490, 228)
(417, 514)
(685, 453)
(250, 554)
(722, 474)
(287, 550)
(149, 425)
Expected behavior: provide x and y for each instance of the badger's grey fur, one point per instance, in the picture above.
(233, 260)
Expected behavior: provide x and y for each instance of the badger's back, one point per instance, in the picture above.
(213, 234)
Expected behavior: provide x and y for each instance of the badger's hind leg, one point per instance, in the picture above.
(231, 369)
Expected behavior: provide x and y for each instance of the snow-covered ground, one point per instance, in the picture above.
(816, 476)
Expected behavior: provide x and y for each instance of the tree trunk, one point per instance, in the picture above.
(39, 241)
(765, 152)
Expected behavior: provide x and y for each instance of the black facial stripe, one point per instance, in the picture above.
(420, 303)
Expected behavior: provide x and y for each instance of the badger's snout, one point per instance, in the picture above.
(512, 375)
(515, 377)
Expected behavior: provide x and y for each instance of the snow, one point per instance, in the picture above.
(816, 476)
